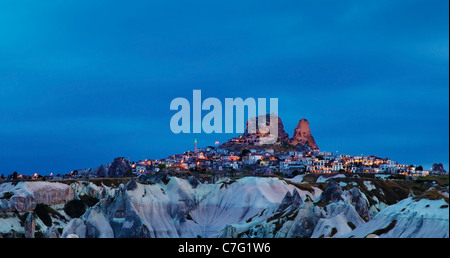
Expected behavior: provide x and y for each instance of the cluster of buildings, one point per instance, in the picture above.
(259, 161)
(251, 160)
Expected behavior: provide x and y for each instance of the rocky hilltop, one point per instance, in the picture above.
(282, 135)
(438, 168)
(118, 168)
(302, 139)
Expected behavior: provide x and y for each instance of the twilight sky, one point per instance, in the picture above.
(83, 82)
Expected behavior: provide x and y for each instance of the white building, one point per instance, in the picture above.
(253, 158)
(325, 153)
(140, 169)
(305, 161)
(337, 166)
(387, 168)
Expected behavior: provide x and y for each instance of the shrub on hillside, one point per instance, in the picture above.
(90, 201)
(42, 211)
(75, 208)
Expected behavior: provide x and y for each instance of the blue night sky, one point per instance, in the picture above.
(83, 82)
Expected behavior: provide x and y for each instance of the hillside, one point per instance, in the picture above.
(163, 206)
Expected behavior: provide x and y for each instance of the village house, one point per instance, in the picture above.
(252, 158)
(140, 169)
(337, 165)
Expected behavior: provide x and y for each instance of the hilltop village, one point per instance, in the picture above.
(288, 157)
(244, 156)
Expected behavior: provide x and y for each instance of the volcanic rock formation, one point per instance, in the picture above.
(303, 138)
(438, 168)
(282, 135)
(118, 168)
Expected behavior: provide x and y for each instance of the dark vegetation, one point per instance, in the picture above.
(333, 232)
(148, 182)
(90, 201)
(292, 214)
(250, 219)
(351, 225)
(431, 195)
(7, 196)
(46, 213)
(387, 191)
(13, 234)
(442, 180)
(385, 230)
(225, 184)
(275, 217)
(390, 191)
(189, 217)
(240, 235)
(304, 187)
(39, 234)
(75, 208)
(281, 217)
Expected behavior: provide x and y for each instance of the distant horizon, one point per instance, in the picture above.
(29, 173)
